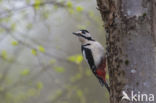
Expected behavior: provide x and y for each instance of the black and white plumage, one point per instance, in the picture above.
(94, 54)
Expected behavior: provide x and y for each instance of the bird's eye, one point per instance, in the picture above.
(83, 32)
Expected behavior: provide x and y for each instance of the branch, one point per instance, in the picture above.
(7, 13)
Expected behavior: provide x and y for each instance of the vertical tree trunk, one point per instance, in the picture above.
(131, 45)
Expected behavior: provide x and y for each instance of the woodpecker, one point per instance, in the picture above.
(94, 54)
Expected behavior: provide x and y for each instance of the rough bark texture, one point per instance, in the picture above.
(131, 45)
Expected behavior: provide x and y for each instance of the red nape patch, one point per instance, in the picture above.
(101, 70)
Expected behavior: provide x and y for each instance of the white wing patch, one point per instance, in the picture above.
(84, 55)
(97, 52)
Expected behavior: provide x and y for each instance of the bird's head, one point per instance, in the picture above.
(83, 36)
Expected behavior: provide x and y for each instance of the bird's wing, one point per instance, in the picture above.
(87, 54)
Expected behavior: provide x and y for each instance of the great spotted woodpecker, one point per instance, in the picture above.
(94, 54)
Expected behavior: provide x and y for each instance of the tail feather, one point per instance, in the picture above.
(103, 83)
(106, 85)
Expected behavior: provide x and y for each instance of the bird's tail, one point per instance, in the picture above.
(104, 83)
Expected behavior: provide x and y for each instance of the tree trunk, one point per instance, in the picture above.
(131, 46)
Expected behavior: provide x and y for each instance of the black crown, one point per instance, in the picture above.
(84, 31)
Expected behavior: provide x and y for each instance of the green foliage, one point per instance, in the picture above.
(1, 30)
(79, 8)
(1, 89)
(28, 1)
(14, 43)
(25, 72)
(34, 52)
(9, 97)
(37, 4)
(88, 72)
(91, 14)
(55, 7)
(81, 26)
(20, 97)
(57, 94)
(71, 11)
(79, 93)
(29, 26)
(107, 76)
(52, 61)
(7, 19)
(8, 81)
(76, 77)
(76, 58)
(41, 48)
(31, 92)
(1, 76)
(39, 85)
(59, 69)
(4, 54)
(13, 26)
(70, 7)
(69, 4)
(45, 15)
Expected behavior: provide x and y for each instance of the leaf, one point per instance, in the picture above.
(34, 52)
(14, 43)
(79, 93)
(39, 85)
(27, 1)
(107, 76)
(79, 8)
(69, 4)
(71, 10)
(76, 58)
(76, 77)
(25, 72)
(29, 26)
(59, 69)
(1, 30)
(55, 7)
(6, 19)
(46, 15)
(13, 26)
(57, 94)
(52, 61)
(9, 96)
(1, 76)
(91, 14)
(81, 26)
(1, 89)
(41, 49)
(31, 92)
(4, 54)
(37, 4)
(88, 72)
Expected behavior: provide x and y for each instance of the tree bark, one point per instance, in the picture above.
(131, 46)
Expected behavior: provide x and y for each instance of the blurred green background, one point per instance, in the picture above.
(40, 59)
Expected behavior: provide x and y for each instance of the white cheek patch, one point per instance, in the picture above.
(87, 35)
(78, 32)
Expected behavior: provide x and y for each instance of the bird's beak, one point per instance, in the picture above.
(77, 34)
